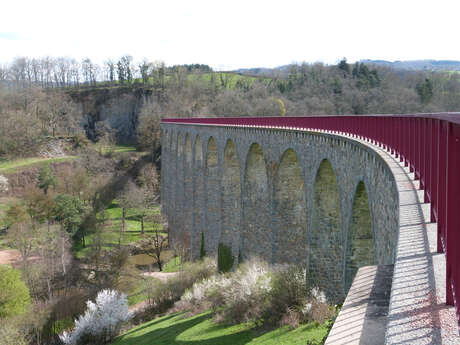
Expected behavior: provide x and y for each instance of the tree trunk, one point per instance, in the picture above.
(123, 219)
(142, 225)
(63, 254)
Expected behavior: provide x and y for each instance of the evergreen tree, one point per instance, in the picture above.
(225, 259)
(202, 250)
(46, 179)
(344, 66)
(425, 90)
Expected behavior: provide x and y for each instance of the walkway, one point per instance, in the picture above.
(417, 311)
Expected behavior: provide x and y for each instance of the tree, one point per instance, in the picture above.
(148, 129)
(154, 245)
(39, 206)
(128, 70)
(132, 197)
(202, 250)
(225, 259)
(144, 69)
(14, 294)
(21, 234)
(102, 320)
(425, 90)
(46, 179)
(12, 333)
(69, 211)
(110, 67)
(344, 66)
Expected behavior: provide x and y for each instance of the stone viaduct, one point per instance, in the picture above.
(320, 200)
(369, 205)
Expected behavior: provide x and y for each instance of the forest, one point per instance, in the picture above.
(46, 96)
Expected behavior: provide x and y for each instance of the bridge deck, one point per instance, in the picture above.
(417, 313)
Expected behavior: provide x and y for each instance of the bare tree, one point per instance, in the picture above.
(155, 245)
(110, 70)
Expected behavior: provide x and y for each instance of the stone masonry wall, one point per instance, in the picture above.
(320, 200)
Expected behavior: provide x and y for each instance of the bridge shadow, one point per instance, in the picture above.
(194, 329)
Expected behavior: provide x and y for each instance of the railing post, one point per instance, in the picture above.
(434, 169)
(417, 147)
(453, 218)
(423, 156)
(442, 186)
(427, 160)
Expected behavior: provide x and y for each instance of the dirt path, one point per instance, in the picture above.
(9, 257)
(12, 257)
(163, 276)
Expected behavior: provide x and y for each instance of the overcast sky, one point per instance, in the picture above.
(232, 34)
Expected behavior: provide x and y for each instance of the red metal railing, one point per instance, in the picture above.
(429, 144)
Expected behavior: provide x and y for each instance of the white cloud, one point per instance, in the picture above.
(231, 33)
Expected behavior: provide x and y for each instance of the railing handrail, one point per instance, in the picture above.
(453, 117)
(428, 144)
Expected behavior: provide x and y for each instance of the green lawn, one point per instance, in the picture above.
(115, 148)
(173, 265)
(113, 223)
(200, 329)
(11, 166)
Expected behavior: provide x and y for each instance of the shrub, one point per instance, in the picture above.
(236, 297)
(202, 250)
(14, 294)
(102, 320)
(162, 295)
(225, 259)
(289, 292)
(259, 293)
(11, 332)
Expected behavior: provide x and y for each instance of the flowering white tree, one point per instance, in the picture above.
(102, 320)
(3, 184)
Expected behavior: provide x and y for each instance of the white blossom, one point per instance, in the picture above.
(318, 295)
(3, 184)
(102, 319)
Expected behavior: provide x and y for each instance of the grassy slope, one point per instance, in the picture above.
(11, 166)
(177, 330)
(15, 165)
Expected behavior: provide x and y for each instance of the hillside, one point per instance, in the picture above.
(418, 65)
(409, 65)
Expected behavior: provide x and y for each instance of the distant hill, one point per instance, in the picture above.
(261, 70)
(419, 65)
(411, 65)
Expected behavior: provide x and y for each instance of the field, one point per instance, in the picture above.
(11, 166)
(200, 329)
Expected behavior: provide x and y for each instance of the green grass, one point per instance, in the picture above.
(104, 149)
(113, 224)
(175, 329)
(15, 165)
(173, 265)
(138, 295)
